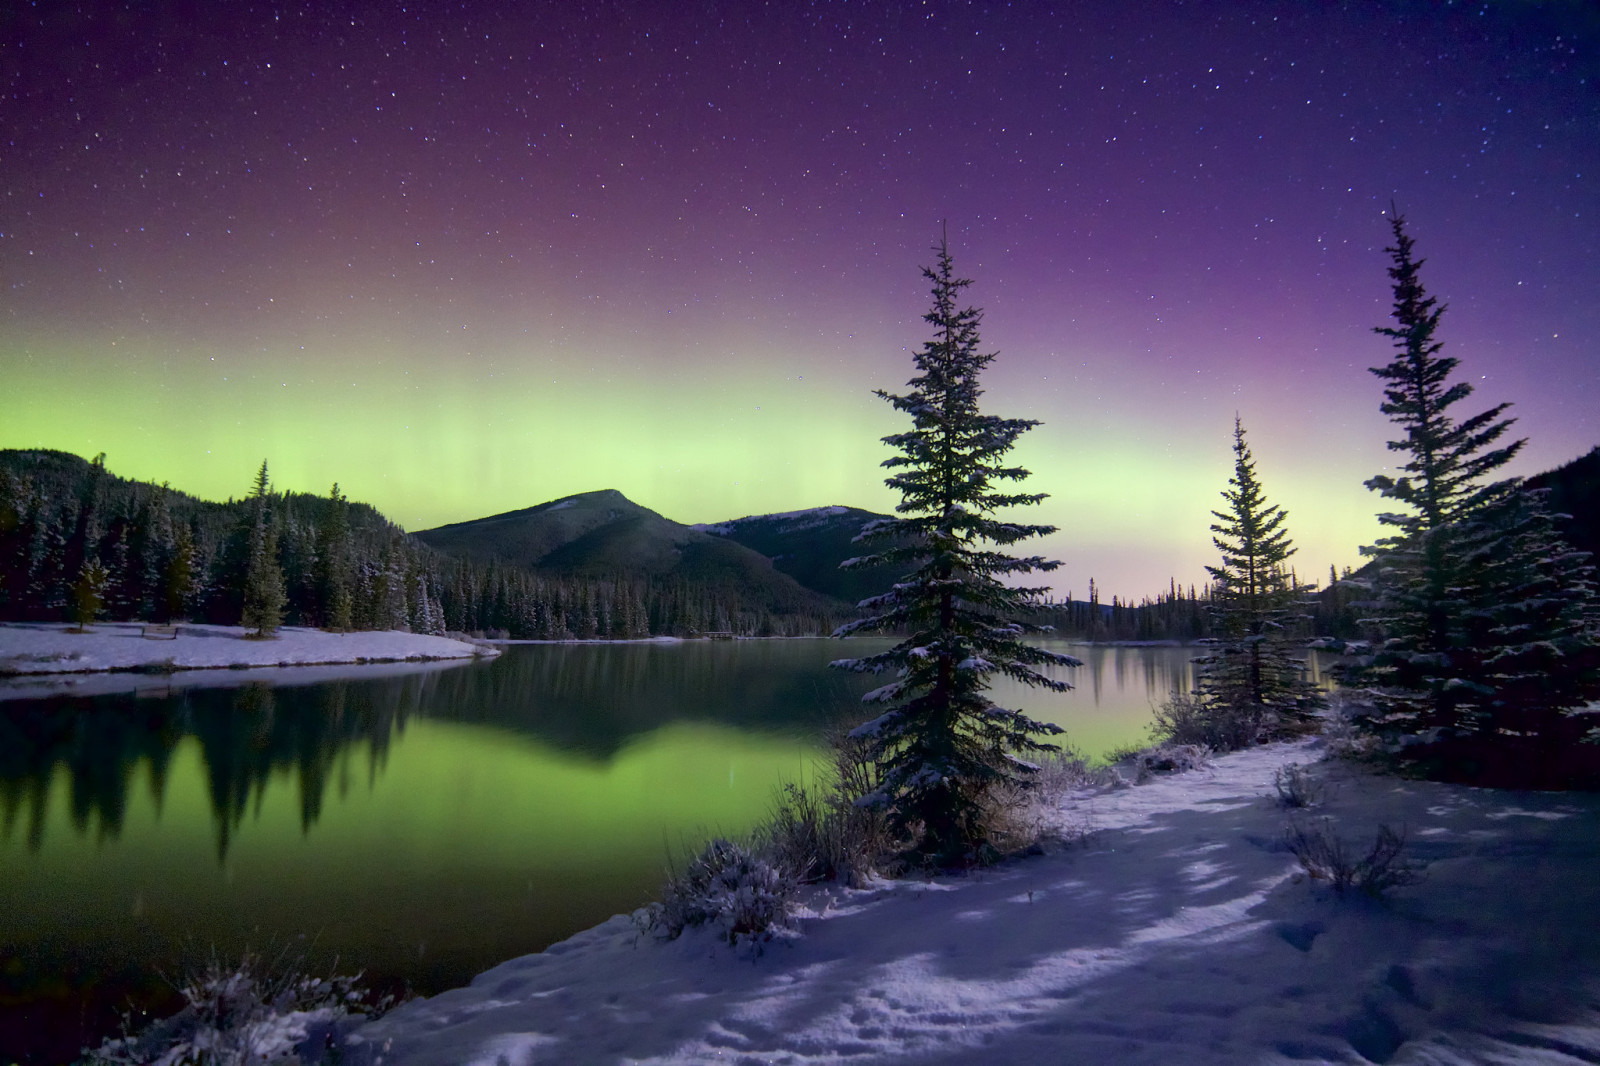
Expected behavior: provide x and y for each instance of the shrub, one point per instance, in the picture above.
(1169, 759)
(238, 1014)
(726, 885)
(1194, 719)
(1325, 857)
(1296, 788)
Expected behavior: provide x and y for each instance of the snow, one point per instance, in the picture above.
(1178, 930)
(33, 649)
(795, 521)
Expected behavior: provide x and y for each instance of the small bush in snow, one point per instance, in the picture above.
(1296, 788)
(821, 833)
(236, 1015)
(1023, 819)
(1344, 735)
(1325, 857)
(1193, 719)
(744, 896)
(1065, 771)
(1170, 759)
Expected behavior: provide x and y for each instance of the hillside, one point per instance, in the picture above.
(596, 534)
(1575, 491)
(810, 545)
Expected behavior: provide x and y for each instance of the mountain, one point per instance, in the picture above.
(1575, 490)
(602, 534)
(810, 545)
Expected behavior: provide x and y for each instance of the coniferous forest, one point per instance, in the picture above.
(71, 531)
(164, 555)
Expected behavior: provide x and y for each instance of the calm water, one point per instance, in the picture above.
(418, 823)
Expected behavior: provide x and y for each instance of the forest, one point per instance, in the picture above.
(80, 543)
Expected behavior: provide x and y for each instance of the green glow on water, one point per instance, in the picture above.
(465, 841)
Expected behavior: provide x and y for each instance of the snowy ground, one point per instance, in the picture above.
(1178, 931)
(28, 650)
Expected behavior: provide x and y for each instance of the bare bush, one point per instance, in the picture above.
(1296, 788)
(1066, 771)
(1194, 719)
(1169, 759)
(821, 835)
(247, 1013)
(1325, 857)
(743, 895)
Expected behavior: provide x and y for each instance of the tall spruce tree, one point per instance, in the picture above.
(944, 744)
(1253, 688)
(264, 592)
(1485, 617)
(336, 577)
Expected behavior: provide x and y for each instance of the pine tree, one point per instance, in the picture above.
(88, 593)
(1415, 676)
(179, 576)
(264, 592)
(1487, 618)
(945, 745)
(334, 550)
(1536, 623)
(1253, 689)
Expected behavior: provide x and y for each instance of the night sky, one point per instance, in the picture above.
(469, 257)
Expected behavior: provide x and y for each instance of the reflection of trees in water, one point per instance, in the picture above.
(246, 735)
(594, 699)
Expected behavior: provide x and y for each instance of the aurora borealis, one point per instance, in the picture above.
(465, 258)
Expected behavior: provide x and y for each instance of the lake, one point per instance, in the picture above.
(420, 822)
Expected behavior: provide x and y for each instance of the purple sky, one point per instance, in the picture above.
(469, 257)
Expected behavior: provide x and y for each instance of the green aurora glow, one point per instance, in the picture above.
(431, 440)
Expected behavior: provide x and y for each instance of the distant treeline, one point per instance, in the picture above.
(157, 555)
(168, 556)
(1185, 615)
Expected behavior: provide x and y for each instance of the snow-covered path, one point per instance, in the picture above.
(1178, 931)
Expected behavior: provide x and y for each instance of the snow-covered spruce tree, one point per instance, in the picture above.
(944, 744)
(1252, 688)
(1535, 626)
(264, 592)
(1463, 586)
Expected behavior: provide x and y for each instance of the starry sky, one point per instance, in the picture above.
(468, 257)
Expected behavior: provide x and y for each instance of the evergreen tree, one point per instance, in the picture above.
(1536, 621)
(1486, 617)
(178, 578)
(334, 559)
(1414, 678)
(264, 592)
(944, 744)
(88, 593)
(1252, 688)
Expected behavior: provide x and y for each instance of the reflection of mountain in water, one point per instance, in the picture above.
(595, 699)
(591, 700)
(245, 735)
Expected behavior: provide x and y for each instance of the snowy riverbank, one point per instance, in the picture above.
(33, 649)
(1179, 930)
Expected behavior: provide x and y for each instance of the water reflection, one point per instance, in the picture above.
(420, 823)
(246, 736)
(591, 701)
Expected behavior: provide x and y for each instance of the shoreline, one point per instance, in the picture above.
(1172, 925)
(34, 649)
